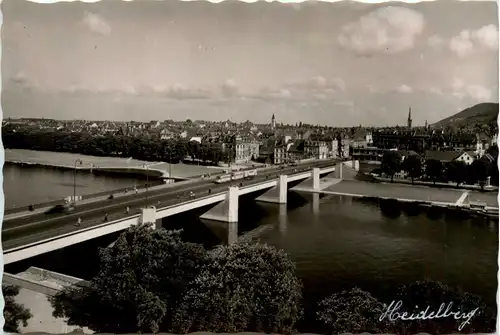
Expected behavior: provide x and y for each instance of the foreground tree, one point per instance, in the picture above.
(244, 287)
(456, 171)
(478, 172)
(15, 314)
(417, 296)
(141, 279)
(391, 163)
(413, 166)
(434, 169)
(355, 311)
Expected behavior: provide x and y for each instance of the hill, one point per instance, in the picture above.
(483, 113)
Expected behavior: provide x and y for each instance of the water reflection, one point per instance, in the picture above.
(283, 219)
(315, 203)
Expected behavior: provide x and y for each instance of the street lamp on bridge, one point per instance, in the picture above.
(77, 162)
(147, 182)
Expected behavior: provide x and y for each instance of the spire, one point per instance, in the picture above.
(273, 118)
(409, 118)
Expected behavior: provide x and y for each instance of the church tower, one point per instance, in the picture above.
(409, 119)
(273, 122)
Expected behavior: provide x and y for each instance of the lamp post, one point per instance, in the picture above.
(77, 161)
(230, 161)
(170, 165)
(147, 182)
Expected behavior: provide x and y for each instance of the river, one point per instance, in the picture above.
(35, 184)
(336, 242)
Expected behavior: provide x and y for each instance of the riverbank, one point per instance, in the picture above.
(112, 165)
(394, 208)
(437, 184)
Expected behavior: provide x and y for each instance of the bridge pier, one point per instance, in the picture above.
(338, 170)
(315, 174)
(227, 210)
(278, 194)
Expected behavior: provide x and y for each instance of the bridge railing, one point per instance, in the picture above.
(68, 234)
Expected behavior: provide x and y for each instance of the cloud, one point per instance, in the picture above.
(462, 44)
(388, 30)
(181, 92)
(229, 88)
(404, 89)
(318, 85)
(435, 41)
(96, 23)
(130, 90)
(273, 94)
(19, 79)
(487, 36)
(462, 90)
(435, 90)
(459, 89)
(469, 41)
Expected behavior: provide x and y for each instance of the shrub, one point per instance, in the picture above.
(353, 311)
(15, 314)
(141, 279)
(244, 287)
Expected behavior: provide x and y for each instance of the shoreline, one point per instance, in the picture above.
(131, 172)
(111, 164)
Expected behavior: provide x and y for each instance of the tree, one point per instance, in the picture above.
(141, 279)
(433, 169)
(391, 163)
(479, 172)
(417, 296)
(355, 311)
(413, 166)
(493, 172)
(244, 287)
(15, 314)
(456, 171)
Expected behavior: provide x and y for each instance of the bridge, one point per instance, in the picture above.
(27, 236)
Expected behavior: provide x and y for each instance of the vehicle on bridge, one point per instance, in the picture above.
(66, 208)
(248, 174)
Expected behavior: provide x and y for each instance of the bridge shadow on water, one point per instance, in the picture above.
(250, 212)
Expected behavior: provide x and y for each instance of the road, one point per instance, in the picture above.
(25, 230)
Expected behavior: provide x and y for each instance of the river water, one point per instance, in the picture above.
(34, 184)
(336, 242)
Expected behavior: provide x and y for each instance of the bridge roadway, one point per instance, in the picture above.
(37, 227)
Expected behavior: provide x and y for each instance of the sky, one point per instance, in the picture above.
(337, 64)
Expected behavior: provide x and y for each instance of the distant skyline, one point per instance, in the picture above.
(339, 64)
